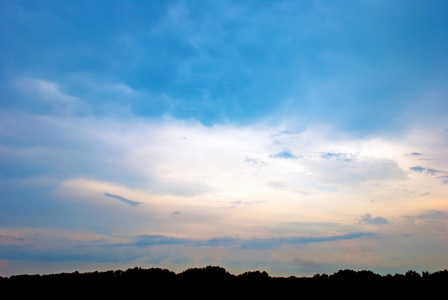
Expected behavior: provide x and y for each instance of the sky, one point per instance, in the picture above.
(293, 137)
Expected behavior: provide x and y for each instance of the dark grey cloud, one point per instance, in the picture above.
(367, 219)
(122, 199)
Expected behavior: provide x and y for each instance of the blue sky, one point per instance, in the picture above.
(297, 137)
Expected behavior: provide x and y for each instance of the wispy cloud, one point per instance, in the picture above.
(151, 240)
(47, 97)
(274, 242)
(254, 243)
(431, 214)
(415, 154)
(426, 170)
(122, 199)
(341, 156)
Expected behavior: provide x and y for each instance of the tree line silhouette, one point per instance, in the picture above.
(216, 273)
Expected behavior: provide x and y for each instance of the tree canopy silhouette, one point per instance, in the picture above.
(216, 273)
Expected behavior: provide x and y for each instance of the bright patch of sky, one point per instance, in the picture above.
(295, 137)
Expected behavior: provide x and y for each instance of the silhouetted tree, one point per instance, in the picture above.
(216, 274)
(320, 276)
(367, 275)
(207, 273)
(364, 275)
(345, 274)
(399, 276)
(439, 275)
(254, 275)
(147, 275)
(26, 277)
(412, 275)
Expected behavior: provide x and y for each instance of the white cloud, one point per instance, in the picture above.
(222, 163)
(222, 179)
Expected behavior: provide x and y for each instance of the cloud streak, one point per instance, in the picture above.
(122, 199)
(253, 243)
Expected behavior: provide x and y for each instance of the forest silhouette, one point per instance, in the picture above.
(214, 282)
(220, 274)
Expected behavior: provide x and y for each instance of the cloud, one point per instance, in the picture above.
(432, 214)
(426, 170)
(253, 243)
(341, 156)
(287, 187)
(254, 161)
(47, 97)
(8, 239)
(284, 155)
(415, 154)
(355, 171)
(151, 240)
(42, 245)
(127, 201)
(70, 247)
(429, 223)
(367, 219)
(417, 169)
(275, 242)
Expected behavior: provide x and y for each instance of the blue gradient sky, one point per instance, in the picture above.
(295, 137)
